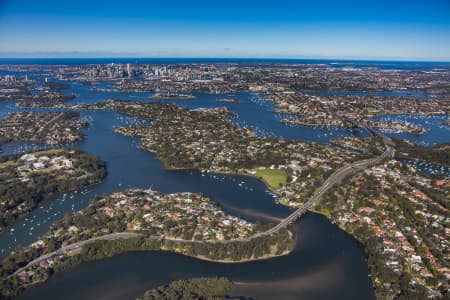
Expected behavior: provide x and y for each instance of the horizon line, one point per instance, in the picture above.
(356, 59)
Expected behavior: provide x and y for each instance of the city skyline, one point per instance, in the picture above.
(384, 30)
(236, 150)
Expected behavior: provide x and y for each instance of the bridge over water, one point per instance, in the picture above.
(337, 177)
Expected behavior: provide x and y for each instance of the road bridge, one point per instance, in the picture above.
(335, 178)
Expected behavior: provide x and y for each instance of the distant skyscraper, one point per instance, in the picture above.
(128, 70)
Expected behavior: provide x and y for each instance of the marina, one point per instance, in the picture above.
(131, 167)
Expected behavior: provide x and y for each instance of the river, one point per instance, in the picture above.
(326, 263)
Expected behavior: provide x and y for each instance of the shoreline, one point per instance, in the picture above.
(413, 131)
(166, 245)
(223, 261)
(52, 195)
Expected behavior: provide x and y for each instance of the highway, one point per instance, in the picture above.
(74, 246)
(335, 178)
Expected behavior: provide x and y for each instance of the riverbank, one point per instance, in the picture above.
(195, 288)
(323, 260)
(172, 96)
(31, 178)
(337, 122)
(99, 248)
(179, 222)
(272, 254)
(77, 248)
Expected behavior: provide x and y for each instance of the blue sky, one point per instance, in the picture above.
(380, 29)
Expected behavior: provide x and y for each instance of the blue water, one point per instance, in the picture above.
(436, 133)
(428, 169)
(326, 263)
(387, 65)
(255, 112)
(131, 167)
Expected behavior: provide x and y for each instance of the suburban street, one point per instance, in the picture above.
(335, 178)
(74, 246)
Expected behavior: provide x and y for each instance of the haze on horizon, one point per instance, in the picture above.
(384, 29)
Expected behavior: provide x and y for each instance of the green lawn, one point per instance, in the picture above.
(49, 152)
(7, 164)
(273, 177)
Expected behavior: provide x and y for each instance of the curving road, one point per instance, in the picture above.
(74, 246)
(335, 178)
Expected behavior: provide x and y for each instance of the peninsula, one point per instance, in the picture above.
(42, 127)
(28, 179)
(141, 220)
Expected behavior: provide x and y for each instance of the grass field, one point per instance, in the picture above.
(49, 152)
(272, 177)
(7, 164)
